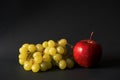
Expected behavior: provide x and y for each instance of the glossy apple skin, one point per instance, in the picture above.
(87, 53)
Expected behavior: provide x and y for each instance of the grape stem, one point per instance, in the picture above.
(29, 56)
(70, 45)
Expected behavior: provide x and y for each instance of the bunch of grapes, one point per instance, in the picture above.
(42, 57)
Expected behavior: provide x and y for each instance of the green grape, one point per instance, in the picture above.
(51, 43)
(49, 65)
(62, 64)
(37, 54)
(35, 67)
(57, 57)
(46, 58)
(46, 50)
(25, 45)
(32, 48)
(52, 51)
(23, 50)
(38, 59)
(21, 61)
(60, 49)
(19, 56)
(70, 63)
(62, 42)
(45, 44)
(23, 56)
(39, 47)
(43, 66)
(27, 65)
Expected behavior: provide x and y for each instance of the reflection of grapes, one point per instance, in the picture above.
(42, 57)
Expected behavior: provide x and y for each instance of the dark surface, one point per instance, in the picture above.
(34, 22)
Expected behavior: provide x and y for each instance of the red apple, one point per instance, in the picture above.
(87, 53)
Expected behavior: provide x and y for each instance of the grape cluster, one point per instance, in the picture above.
(42, 57)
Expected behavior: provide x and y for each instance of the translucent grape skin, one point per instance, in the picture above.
(21, 61)
(27, 65)
(57, 57)
(51, 43)
(35, 67)
(32, 48)
(49, 65)
(38, 59)
(46, 50)
(60, 49)
(37, 54)
(62, 42)
(25, 45)
(23, 50)
(23, 56)
(62, 64)
(43, 66)
(70, 63)
(45, 44)
(39, 47)
(52, 51)
(47, 58)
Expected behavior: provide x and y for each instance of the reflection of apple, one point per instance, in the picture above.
(87, 53)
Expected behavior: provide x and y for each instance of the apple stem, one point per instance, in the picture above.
(91, 35)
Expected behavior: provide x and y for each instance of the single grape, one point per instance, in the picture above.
(62, 42)
(38, 59)
(46, 58)
(62, 64)
(23, 50)
(39, 47)
(57, 57)
(27, 65)
(70, 63)
(35, 67)
(45, 44)
(46, 50)
(43, 66)
(37, 54)
(60, 49)
(51, 43)
(23, 56)
(49, 65)
(25, 45)
(21, 61)
(52, 51)
(32, 48)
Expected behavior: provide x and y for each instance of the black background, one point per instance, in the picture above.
(24, 21)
